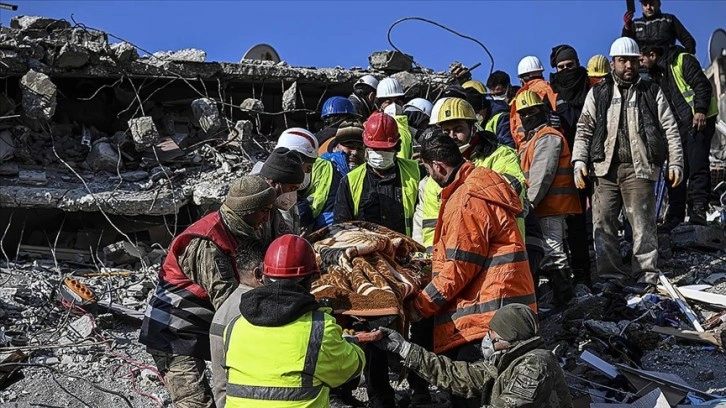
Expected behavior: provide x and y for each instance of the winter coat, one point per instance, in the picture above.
(662, 30)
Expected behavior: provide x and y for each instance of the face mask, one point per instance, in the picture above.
(286, 201)
(533, 121)
(380, 160)
(487, 347)
(393, 110)
(305, 183)
(498, 97)
(463, 147)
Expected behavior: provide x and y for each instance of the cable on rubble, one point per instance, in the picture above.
(425, 20)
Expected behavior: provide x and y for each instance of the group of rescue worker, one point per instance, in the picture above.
(494, 180)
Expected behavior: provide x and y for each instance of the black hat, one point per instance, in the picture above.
(283, 166)
(561, 53)
(346, 133)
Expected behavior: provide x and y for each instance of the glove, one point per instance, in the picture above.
(580, 174)
(628, 18)
(394, 342)
(675, 174)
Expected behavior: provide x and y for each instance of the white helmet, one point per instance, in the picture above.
(419, 104)
(368, 80)
(529, 64)
(624, 47)
(433, 119)
(299, 140)
(389, 88)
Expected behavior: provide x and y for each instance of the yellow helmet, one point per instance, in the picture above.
(598, 66)
(455, 109)
(527, 99)
(474, 84)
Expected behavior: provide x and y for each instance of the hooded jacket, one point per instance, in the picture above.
(479, 259)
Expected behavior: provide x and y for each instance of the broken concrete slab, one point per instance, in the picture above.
(104, 157)
(699, 237)
(38, 22)
(391, 61)
(72, 56)
(183, 55)
(410, 83)
(39, 95)
(289, 97)
(206, 115)
(143, 132)
(9, 169)
(122, 253)
(252, 104)
(124, 52)
(243, 130)
(34, 177)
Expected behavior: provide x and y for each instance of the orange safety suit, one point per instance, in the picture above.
(562, 197)
(479, 259)
(541, 88)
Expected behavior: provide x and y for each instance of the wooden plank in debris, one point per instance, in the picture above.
(695, 292)
(699, 337)
(682, 304)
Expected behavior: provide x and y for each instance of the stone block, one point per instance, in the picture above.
(39, 95)
(206, 115)
(391, 61)
(289, 98)
(37, 22)
(143, 132)
(121, 253)
(124, 52)
(103, 157)
(243, 130)
(411, 85)
(184, 55)
(701, 237)
(95, 41)
(252, 104)
(72, 56)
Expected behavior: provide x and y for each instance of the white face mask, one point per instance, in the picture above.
(380, 160)
(498, 97)
(305, 183)
(286, 201)
(463, 147)
(393, 110)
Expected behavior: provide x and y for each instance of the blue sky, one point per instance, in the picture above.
(344, 33)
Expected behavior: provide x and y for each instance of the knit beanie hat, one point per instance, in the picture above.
(248, 194)
(561, 53)
(514, 322)
(346, 133)
(283, 166)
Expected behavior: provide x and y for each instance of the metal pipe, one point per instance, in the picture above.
(6, 6)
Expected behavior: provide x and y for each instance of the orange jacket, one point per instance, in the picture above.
(561, 197)
(479, 259)
(541, 88)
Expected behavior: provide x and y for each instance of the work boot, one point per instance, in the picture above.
(669, 225)
(562, 288)
(697, 213)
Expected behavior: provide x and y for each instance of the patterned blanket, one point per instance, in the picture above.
(366, 266)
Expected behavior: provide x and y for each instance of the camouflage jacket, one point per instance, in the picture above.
(526, 376)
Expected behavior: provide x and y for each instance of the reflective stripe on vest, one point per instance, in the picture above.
(493, 123)
(321, 178)
(562, 197)
(688, 93)
(410, 177)
(404, 133)
(272, 381)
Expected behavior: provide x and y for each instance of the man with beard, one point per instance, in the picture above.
(571, 84)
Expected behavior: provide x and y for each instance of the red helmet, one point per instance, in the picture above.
(290, 257)
(380, 131)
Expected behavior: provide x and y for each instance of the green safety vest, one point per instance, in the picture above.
(320, 180)
(493, 122)
(688, 94)
(410, 176)
(404, 133)
(504, 161)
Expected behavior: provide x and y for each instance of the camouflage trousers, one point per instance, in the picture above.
(185, 379)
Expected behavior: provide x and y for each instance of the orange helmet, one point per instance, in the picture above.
(290, 256)
(380, 131)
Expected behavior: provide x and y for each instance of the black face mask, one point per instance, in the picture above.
(533, 121)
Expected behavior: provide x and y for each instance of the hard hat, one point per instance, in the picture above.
(389, 88)
(529, 64)
(366, 80)
(435, 110)
(624, 47)
(474, 84)
(420, 104)
(337, 105)
(527, 99)
(598, 66)
(290, 256)
(299, 140)
(455, 109)
(380, 131)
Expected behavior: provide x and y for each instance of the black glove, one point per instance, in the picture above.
(394, 342)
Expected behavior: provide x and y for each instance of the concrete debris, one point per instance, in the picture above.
(144, 133)
(701, 237)
(39, 95)
(103, 157)
(72, 56)
(206, 115)
(252, 104)
(391, 61)
(410, 83)
(9, 169)
(7, 146)
(35, 177)
(242, 131)
(289, 97)
(122, 253)
(38, 23)
(124, 52)
(185, 55)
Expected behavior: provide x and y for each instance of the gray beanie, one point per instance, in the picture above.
(248, 194)
(514, 322)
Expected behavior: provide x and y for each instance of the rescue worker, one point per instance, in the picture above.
(382, 192)
(363, 97)
(530, 72)
(695, 108)
(625, 145)
(479, 257)
(345, 152)
(283, 171)
(250, 254)
(492, 115)
(335, 111)
(389, 99)
(598, 67)
(571, 84)
(515, 369)
(197, 275)
(499, 85)
(418, 113)
(657, 28)
(545, 159)
(285, 350)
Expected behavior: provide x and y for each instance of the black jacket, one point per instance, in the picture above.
(661, 30)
